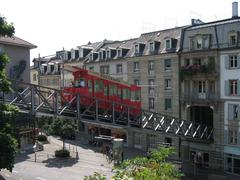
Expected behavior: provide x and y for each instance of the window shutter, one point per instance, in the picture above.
(238, 137)
(225, 136)
(230, 112)
(227, 88)
(238, 61)
(238, 87)
(226, 59)
(238, 111)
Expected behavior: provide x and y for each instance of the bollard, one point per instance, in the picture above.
(77, 155)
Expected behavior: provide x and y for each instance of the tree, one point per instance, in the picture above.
(153, 167)
(64, 128)
(8, 142)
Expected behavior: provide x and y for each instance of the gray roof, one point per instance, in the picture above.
(15, 41)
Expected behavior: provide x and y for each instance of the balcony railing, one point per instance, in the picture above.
(200, 97)
(195, 69)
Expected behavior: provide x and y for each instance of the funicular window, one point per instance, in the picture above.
(119, 92)
(100, 85)
(137, 95)
(111, 91)
(126, 93)
(96, 86)
(90, 85)
(105, 89)
(82, 83)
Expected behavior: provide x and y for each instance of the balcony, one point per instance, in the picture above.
(193, 70)
(200, 97)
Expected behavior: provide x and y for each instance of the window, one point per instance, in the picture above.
(34, 77)
(151, 84)
(233, 40)
(233, 61)
(167, 64)
(168, 141)
(91, 68)
(186, 62)
(168, 104)
(150, 67)
(119, 68)
(104, 69)
(100, 55)
(91, 57)
(1, 50)
(233, 112)
(135, 66)
(191, 43)
(232, 137)
(119, 53)
(233, 87)
(151, 102)
(151, 47)
(232, 163)
(136, 82)
(108, 55)
(201, 86)
(136, 48)
(199, 42)
(168, 84)
(205, 42)
(168, 44)
(197, 61)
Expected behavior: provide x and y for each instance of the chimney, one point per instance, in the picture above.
(235, 9)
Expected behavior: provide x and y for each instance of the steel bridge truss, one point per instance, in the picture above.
(35, 98)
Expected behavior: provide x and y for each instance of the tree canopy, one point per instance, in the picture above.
(8, 143)
(153, 167)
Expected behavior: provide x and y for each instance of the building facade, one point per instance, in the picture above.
(18, 50)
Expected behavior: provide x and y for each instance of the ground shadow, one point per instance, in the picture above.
(22, 157)
(60, 162)
(2, 178)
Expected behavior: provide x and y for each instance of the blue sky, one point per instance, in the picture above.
(54, 24)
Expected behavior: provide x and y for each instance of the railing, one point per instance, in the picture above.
(38, 99)
(191, 70)
(200, 97)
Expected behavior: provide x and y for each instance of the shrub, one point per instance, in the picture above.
(62, 153)
(42, 138)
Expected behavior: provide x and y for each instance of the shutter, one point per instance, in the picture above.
(238, 137)
(238, 87)
(238, 61)
(238, 110)
(225, 136)
(230, 112)
(227, 88)
(226, 59)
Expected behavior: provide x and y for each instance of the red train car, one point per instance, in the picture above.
(106, 89)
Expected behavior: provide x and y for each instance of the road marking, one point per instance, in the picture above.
(40, 178)
(15, 171)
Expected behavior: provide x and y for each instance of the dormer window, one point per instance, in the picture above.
(168, 44)
(100, 55)
(119, 53)
(233, 39)
(137, 48)
(91, 57)
(151, 46)
(108, 54)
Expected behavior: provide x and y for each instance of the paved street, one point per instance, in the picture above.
(47, 167)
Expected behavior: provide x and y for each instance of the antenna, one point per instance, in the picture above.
(168, 19)
(191, 14)
(148, 27)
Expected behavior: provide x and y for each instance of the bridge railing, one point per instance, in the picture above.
(35, 98)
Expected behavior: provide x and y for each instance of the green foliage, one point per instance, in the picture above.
(153, 167)
(42, 138)
(8, 143)
(6, 29)
(95, 176)
(18, 69)
(8, 146)
(64, 128)
(62, 153)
